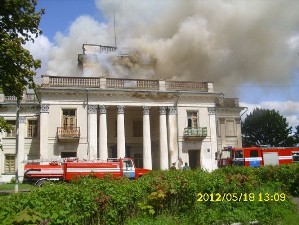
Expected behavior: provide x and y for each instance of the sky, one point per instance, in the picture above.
(248, 49)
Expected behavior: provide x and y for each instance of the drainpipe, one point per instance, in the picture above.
(177, 123)
(17, 147)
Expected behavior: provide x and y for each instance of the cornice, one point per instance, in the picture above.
(232, 109)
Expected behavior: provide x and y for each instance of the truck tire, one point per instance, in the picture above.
(41, 182)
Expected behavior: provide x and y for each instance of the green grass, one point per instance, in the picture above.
(11, 187)
(291, 219)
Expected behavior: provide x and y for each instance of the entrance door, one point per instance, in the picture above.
(194, 158)
(68, 154)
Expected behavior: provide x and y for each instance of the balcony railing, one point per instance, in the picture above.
(186, 85)
(195, 133)
(118, 83)
(69, 133)
(28, 97)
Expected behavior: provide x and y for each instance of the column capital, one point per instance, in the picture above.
(103, 109)
(92, 109)
(120, 109)
(211, 111)
(162, 110)
(22, 119)
(146, 110)
(172, 110)
(44, 108)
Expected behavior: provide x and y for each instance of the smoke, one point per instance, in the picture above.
(228, 42)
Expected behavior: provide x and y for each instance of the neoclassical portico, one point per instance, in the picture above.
(167, 148)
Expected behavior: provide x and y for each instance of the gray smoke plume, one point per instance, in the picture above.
(228, 42)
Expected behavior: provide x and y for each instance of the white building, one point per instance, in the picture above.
(157, 122)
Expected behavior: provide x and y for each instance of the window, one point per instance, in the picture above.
(12, 132)
(239, 154)
(10, 163)
(127, 163)
(32, 128)
(254, 153)
(295, 156)
(69, 119)
(192, 119)
(137, 128)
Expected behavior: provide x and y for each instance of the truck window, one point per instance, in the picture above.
(295, 156)
(226, 153)
(127, 163)
(238, 154)
(254, 153)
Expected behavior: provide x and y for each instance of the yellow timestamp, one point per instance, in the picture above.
(240, 197)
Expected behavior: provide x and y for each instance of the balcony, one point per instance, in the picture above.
(69, 134)
(27, 97)
(193, 134)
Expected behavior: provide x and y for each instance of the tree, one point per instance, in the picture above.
(296, 135)
(18, 24)
(266, 127)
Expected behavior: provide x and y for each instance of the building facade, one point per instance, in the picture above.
(157, 122)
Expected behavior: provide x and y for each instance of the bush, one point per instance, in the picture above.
(160, 197)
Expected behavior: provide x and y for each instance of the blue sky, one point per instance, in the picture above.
(256, 43)
(61, 13)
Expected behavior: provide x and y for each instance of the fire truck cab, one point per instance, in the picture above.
(258, 156)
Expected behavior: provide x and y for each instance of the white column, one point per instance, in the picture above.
(213, 150)
(121, 143)
(103, 132)
(92, 132)
(164, 163)
(172, 135)
(147, 151)
(21, 147)
(43, 137)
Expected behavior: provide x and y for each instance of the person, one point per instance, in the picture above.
(186, 167)
(173, 166)
(180, 164)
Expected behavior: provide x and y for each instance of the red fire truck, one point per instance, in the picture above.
(258, 156)
(69, 168)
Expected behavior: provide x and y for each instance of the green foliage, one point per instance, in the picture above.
(4, 126)
(160, 197)
(27, 216)
(296, 135)
(266, 127)
(18, 24)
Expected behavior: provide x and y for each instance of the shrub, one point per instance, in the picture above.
(160, 197)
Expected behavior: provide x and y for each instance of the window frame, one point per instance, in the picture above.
(194, 120)
(65, 119)
(34, 131)
(8, 163)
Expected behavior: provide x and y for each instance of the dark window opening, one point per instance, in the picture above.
(254, 153)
